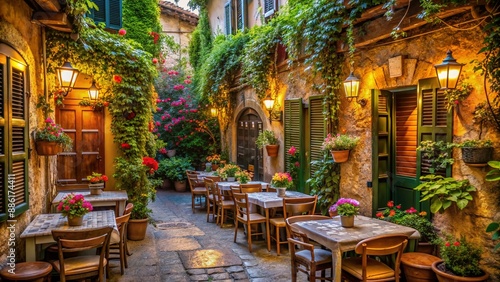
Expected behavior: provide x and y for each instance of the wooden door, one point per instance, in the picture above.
(248, 155)
(85, 127)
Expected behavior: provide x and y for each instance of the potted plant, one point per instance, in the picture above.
(476, 152)
(339, 146)
(281, 181)
(228, 172)
(443, 192)
(242, 176)
(175, 169)
(460, 261)
(347, 208)
(96, 183)
(267, 139)
(214, 161)
(51, 140)
(438, 155)
(74, 207)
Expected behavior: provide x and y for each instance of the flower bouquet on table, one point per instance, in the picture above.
(242, 176)
(74, 207)
(214, 160)
(347, 208)
(96, 182)
(281, 181)
(228, 171)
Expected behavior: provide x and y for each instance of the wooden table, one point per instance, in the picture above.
(268, 200)
(332, 235)
(39, 231)
(226, 185)
(116, 199)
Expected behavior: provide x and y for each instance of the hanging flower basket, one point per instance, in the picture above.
(472, 155)
(272, 150)
(340, 156)
(47, 148)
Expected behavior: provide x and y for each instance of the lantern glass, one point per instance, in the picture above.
(351, 86)
(269, 103)
(67, 76)
(213, 112)
(93, 92)
(448, 72)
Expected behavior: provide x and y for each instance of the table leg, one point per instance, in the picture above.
(30, 249)
(268, 233)
(121, 207)
(337, 265)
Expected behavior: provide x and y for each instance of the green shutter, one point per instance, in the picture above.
(317, 130)
(381, 144)
(294, 134)
(110, 13)
(227, 18)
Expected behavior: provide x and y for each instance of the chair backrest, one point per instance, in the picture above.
(193, 181)
(241, 205)
(77, 240)
(128, 208)
(380, 246)
(250, 188)
(235, 188)
(191, 172)
(214, 178)
(298, 218)
(299, 206)
(122, 222)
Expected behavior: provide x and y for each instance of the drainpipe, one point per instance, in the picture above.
(48, 193)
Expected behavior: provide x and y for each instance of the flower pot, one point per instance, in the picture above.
(96, 189)
(280, 191)
(167, 184)
(46, 148)
(417, 267)
(75, 221)
(215, 167)
(340, 156)
(347, 221)
(231, 179)
(333, 213)
(425, 247)
(136, 229)
(180, 186)
(272, 150)
(472, 155)
(443, 276)
(171, 153)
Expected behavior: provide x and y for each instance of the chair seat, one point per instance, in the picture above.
(200, 190)
(227, 203)
(278, 221)
(374, 268)
(79, 265)
(254, 217)
(321, 256)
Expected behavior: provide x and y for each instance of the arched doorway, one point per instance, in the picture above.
(248, 155)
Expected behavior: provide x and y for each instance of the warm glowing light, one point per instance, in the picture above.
(67, 77)
(448, 72)
(351, 86)
(269, 103)
(93, 92)
(213, 112)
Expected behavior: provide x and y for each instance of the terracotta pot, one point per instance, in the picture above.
(332, 214)
(272, 150)
(340, 156)
(425, 247)
(96, 189)
(280, 191)
(167, 184)
(180, 186)
(215, 167)
(75, 221)
(171, 153)
(417, 267)
(46, 148)
(446, 277)
(347, 221)
(136, 229)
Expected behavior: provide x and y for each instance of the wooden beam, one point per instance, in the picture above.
(49, 5)
(50, 18)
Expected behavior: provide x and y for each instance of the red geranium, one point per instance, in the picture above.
(117, 78)
(151, 163)
(125, 146)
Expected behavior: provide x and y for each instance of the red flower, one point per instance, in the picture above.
(155, 61)
(122, 32)
(117, 78)
(380, 215)
(447, 244)
(292, 151)
(125, 146)
(456, 244)
(105, 104)
(151, 163)
(390, 204)
(187, 81)
(398, 207)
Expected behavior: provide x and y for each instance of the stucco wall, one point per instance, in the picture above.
(17, 31)
(181, 33)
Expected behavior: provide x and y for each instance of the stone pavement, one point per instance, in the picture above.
(182, 246)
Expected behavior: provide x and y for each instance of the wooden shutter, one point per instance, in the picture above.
(294, 135)
(241, 14)
(406, 134)
(381, 148)
(227, 18)
(435, 122)
(317, 130)
(269, 8)
(110, 13)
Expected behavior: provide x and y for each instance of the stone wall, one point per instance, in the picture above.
(17, 31)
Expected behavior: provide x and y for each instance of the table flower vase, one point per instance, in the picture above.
(347, 221)
(280, 191)
(75, 221)
(231, 179)
(96, 189)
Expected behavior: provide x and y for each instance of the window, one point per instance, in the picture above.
(236, 15)
(241, 14)
(110, 13)
(270, 7)
(228, 18)
(13, 134)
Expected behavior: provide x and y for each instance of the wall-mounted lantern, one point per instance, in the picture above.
(214, 112)
(448, 72)
(269, 104)
(67, 76)
(93, 92)
(351, 88)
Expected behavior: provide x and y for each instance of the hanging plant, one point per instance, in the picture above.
(455, 96)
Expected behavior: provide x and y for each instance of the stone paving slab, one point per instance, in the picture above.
(209, 258)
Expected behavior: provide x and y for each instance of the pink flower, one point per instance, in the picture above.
(297, 164)
(292, 151)
(49, 120)
(187, 81)
(66, 208)
(162, 151)
(122, 32)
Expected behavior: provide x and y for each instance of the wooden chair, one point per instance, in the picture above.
(224, 204)
(128, 208)
(198, 189)
(250, 188)
(366, 268)
(82, 266)
(211, 197)
(291, 207)
(304, 256)
(119, 249)
(214, 178)
(244, 216)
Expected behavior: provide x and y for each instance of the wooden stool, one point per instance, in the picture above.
(27, 271)
(417, 267)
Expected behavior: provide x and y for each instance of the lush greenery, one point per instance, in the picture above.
(125, 74)
(325, 182)
(494, 174)
(443, 192)
(475, 143)
(266, 137)
(175, 168)
(339, 142)
(461, 257)
(438, 154)
(293, 168)
(495, 228)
